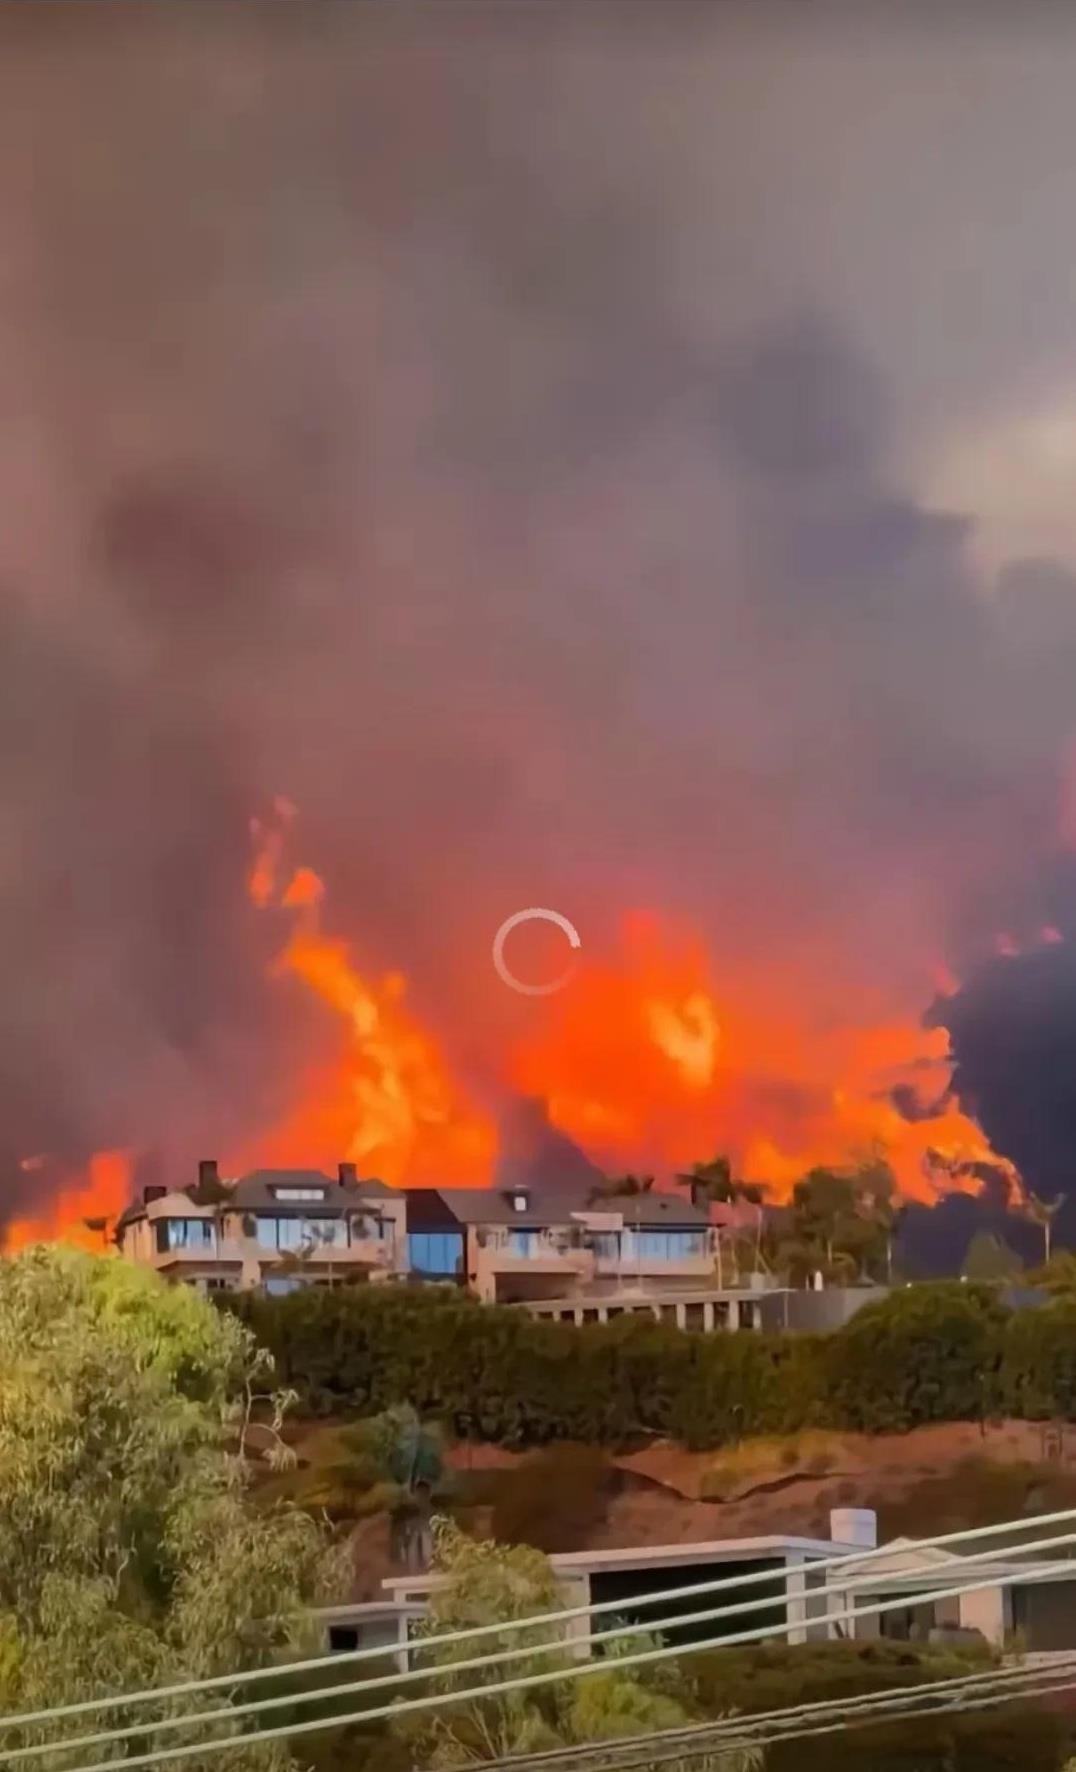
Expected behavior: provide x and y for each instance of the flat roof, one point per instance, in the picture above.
(649, 1556)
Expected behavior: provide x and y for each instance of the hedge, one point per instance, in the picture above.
(926, 1353)
(770, 1676)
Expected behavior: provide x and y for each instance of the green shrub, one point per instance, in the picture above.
(1038, 1370)
(769, 1676)
(925, 1353)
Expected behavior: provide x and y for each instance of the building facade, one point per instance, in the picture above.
(277, 1228)
(558, 1246)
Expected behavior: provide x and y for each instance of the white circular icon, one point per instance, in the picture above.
(505, 930)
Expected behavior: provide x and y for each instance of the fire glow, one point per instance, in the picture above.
(644, 1061)
(647, 1061)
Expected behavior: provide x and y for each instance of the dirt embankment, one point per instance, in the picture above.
(936, 1479)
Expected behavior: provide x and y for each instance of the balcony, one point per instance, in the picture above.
(534, 1251)
(654, 1255)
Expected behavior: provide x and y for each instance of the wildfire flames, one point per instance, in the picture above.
(646, 1060)
(82, 1210)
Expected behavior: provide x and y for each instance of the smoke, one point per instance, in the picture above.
(409, 417)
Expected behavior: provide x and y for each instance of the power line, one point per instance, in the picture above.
(978, 1689)
(221, 1682)
(400, 1707)
(501, 1657)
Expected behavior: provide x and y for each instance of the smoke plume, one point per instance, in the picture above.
(409, 414)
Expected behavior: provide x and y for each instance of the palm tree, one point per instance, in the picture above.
(1042, 1213)
(715, 1181)
(623, 1186)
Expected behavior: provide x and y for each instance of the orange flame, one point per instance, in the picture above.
(648, 1062)
(99, 1197)
(389, 1103)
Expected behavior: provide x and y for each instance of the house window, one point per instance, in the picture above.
(295, 1234)
(606, 1245)
(436, 1252)
(524, 1243)
(520, 1202)
(647, 1245)
(183, 1233)
(370, 1229)
(298, 1195)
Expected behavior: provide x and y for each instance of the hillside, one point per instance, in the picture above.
(939, 1478)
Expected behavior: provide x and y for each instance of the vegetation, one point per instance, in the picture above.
(489, 1583)
(771, 1675)
(943, 1352)
(128, 1553)
(990, 1258)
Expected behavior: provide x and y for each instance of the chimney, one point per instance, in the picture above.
(208, 1172)
(347, 1174)
(854, 1525)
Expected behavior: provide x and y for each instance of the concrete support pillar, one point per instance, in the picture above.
(734, 1313)
(681, 1316)
(796, 1591)
(708, 1316)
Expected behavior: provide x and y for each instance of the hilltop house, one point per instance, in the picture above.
(527, 1245)
(274, 1227)
(901, 1591)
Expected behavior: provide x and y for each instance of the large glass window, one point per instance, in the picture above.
(524, 1243)
(184, 1233)
(648, 1245)
(606, 1245)
(294, 1234)
(436, 1252)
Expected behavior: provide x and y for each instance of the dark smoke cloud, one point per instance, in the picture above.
(420, 420)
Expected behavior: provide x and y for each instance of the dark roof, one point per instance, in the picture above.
(549, 1205)
(258, 1189)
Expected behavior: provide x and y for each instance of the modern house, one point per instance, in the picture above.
(279, 1228)
(559, 1248)
(780, 1587)
(558, 1251)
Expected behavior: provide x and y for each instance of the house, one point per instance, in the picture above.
(1012, 1590)
(780, 1585)
(780, 1594)
(274, 1227)
(558, 1247)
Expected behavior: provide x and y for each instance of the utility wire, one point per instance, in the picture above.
(850, 1711)
(221, 1682)
(400, 1707)
(556, 1644)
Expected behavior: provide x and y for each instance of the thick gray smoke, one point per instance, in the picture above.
(502, 436)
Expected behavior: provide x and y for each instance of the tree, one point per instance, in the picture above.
(715, 1181)
(988, 1258)
(842, 1222)
(1058, 1275)
(395, 1464)
(489, 1583)
(129, 1555)
(624, 1187)
(1042, 1213)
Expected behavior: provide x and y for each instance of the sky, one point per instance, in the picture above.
(576, 458)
